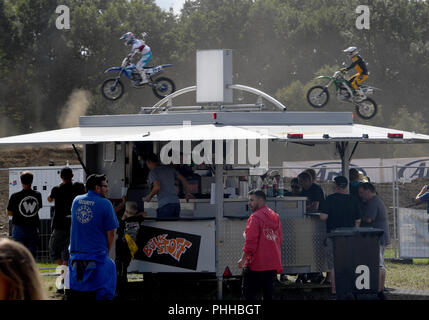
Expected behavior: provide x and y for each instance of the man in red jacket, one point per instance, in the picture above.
(261, 257)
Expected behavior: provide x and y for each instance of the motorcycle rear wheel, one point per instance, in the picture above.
(318, 96)
(112, 89)
(366, 109)
(163, 87)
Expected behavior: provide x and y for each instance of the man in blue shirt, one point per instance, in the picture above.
(92, 272)
(423, 196)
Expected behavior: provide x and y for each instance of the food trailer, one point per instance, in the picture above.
(213, 144)
(207, 239)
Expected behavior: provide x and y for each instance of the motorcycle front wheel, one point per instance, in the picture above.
(112, 89)
(366, 109)
(318, 96)
(162, 87)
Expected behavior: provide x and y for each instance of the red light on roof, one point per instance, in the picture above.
(214, 115)
(395, 135)
(295, 135)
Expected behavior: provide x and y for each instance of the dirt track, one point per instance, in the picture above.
(25, 157)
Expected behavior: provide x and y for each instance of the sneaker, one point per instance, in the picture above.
(59, 292)
(302, 278)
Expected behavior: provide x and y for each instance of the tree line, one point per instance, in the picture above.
(279, 46)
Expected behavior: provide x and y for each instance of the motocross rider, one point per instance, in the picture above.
(360, 66)
(138, 46)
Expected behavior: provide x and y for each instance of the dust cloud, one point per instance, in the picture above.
(76, 106)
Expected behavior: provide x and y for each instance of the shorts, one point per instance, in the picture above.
(382, 249)
(59, 245)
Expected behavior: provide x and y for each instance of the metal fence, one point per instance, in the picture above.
(396, 185)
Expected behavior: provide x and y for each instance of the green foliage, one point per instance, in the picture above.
(279, 46)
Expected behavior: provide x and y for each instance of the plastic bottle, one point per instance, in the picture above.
(270, 188)
(281, 190)
(259, 183)
(265, 187)
(275, 187)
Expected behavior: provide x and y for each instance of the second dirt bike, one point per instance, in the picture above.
(113, 88)
(318, 96)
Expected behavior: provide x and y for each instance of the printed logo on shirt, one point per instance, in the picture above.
(84, 214)
(270, 234)
(29, 206)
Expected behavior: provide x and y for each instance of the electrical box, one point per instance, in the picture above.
(45, 178)
(214, 75)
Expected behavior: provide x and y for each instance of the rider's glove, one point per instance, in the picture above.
(343, 69)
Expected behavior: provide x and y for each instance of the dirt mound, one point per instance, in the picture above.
(28, 157)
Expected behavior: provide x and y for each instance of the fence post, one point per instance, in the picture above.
(395, 208)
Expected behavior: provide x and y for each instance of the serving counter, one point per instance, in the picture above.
(291, 207)
(303, 250)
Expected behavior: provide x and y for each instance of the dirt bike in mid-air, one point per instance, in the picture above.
(113, 88)
(318, 96)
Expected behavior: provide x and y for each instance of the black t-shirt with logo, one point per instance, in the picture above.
(64, 195)
(25, 206)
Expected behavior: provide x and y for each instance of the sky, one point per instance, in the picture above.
(167, 4)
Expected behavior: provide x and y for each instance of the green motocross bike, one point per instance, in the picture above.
(318, 96)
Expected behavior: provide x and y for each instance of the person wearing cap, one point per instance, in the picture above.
(340, 209)
(375, 216)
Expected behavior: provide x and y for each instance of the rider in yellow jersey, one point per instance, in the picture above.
(360, 66)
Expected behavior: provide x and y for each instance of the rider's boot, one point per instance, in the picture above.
(144, 78)
(359, 94)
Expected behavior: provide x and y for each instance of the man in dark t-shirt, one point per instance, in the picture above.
(24, 208)
(315, 196)
(63, 195)
(312, 191)
(340, 209)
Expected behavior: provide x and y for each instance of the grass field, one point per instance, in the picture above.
(408, 276)
(399, 275)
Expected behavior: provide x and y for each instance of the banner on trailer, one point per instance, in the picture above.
(408, 169)
(168, 247)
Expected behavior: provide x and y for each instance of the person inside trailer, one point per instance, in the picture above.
(163, 181)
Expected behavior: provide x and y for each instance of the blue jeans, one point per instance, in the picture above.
(170, 210)
(28, 236)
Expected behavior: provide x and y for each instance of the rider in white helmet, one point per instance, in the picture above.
(360, 66)
(138, 46)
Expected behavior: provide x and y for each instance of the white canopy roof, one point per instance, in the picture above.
(84, 135)
(314, 127)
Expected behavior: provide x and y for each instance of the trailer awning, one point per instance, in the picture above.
(305, 127)
(354, 132)
(87, 135)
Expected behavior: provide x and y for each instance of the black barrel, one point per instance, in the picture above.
(356, 262)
